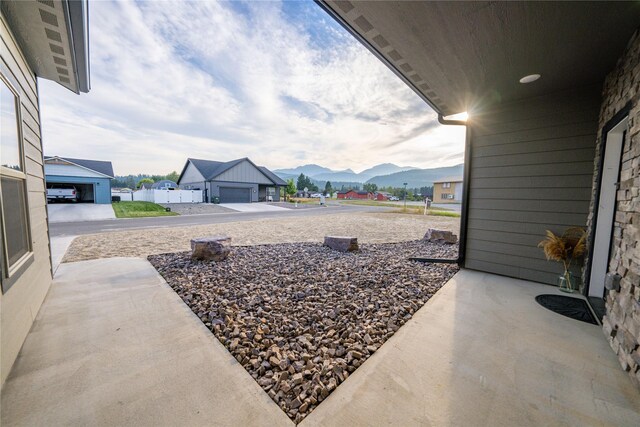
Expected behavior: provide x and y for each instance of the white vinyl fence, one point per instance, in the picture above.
(168, 196)
(125, 196)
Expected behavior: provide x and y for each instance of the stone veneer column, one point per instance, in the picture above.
(622, 320)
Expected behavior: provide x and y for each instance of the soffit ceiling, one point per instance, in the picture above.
(461, 56)
(54, 52)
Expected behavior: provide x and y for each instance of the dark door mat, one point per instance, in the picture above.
(597, 304)
(574, 308)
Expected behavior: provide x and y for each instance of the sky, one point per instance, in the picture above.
(279, 82)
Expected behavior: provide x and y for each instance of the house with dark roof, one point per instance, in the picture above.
(235, 181)
(91, 178)
(164, 184)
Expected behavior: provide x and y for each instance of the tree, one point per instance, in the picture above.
(370, 187)
(145, 181)
(302, 182)
(305, 182)
(327, 188)
(173, 176)
(291, 187)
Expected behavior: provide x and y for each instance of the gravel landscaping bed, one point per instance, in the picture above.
(301, 318)
(196, 208)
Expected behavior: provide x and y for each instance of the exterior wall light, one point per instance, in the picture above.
(530, 78)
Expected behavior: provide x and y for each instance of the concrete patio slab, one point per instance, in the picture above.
(59, 246)
(78, 212)
(114, 345)
(482, 352)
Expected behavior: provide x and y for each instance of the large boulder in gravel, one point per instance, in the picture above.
(214, 248)
(341, 243)
(440, 236)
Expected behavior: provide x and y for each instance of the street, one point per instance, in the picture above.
(90, 227)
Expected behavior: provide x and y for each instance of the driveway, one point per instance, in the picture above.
(252, 207)
(73, 212)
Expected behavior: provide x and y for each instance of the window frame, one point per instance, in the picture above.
(9, 274)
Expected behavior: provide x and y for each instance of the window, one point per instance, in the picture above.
(16, 240)
(446, 185)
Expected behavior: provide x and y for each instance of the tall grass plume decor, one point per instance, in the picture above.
(567, 249)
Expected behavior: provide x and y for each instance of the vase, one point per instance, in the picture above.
(568, 282)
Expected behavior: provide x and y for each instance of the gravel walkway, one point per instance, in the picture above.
(368, 227)
(195, 208)
(300, 317)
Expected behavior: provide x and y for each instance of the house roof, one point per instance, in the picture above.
(272, 176)
(162, 183)
(54, 36)
(101, 166)
(457, 178)
(463, 56)
(210, 169)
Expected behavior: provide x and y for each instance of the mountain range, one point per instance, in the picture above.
(321, 173)
(383, 175)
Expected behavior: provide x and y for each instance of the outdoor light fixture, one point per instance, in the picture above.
(530, 78)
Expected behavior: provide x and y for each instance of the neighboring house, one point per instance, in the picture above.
(448, 190)
(552, 131)
(236, 181)
(92, 178)
(382, 196)
(357, 195)
(49, 40)
(164, 184)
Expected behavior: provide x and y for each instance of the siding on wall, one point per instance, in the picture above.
(70, 170)
(244, 172)
(531, 170)
(20, 304)
(455, 189)
(192, 175)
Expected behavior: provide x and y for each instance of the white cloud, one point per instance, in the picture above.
(172, 80)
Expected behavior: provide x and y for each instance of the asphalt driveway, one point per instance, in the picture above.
(79, 212)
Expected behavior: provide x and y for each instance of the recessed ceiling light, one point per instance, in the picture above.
(530, 78)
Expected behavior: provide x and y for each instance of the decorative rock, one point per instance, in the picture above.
(440, 236)
(215, 248)
(341, 243)
(302, 342)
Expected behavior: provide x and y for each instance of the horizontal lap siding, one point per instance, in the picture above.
(20, 304)
(531, 170)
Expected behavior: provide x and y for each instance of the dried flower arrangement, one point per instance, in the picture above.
(566, 248)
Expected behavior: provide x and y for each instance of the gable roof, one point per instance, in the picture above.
(457, 178)
(272, 176)
(210, 169)
(100, 166)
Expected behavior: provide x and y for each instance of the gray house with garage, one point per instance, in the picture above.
(235, 181)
